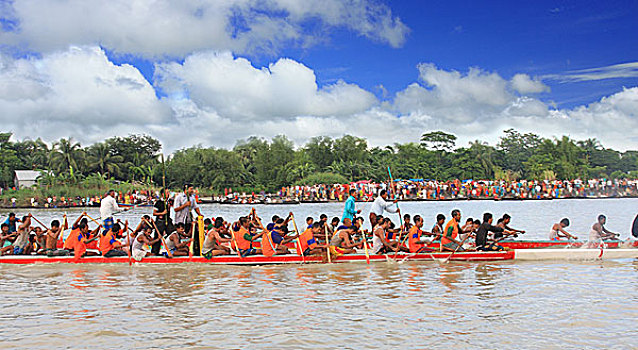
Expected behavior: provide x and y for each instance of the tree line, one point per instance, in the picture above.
(257, 164)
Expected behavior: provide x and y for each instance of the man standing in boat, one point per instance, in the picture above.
(380, 205)
(185, 203)
(108, 207)
(162, 213)
(349, 210)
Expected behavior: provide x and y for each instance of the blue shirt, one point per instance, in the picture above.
(12, 225)
(349, 210)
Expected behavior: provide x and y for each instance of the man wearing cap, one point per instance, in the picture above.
(184, 203)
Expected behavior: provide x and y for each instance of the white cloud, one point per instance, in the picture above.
(234, 88)
(163, 28)
(623, 70)
(214, 99)
(78, 91)
(526, 85)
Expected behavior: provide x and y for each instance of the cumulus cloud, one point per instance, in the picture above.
(78, 89)
(164, 28)
(234, 88)
(215, 98)
(526, 85)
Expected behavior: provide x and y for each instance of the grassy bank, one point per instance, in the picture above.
(71, 193)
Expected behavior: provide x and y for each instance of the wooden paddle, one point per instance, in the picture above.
(294, 223)
(457, 249)
(128, 244)
(394, 194)
(168, 252)
(325, 229)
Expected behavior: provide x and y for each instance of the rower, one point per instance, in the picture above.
(467, 229)
(482, 243)
(349, 211)
(40, 240)
(558, 231)
(503, 222)
(416, 241)
(309, 221)
(82, 238)
(451, 232)
(142, 239)
(22, 240)
(174, 241)
(12, 222)
(109, 245)
(7, 245)
(407, 225)
(213, 242)
(380, 205)
(599, 233)
(382, 239)
(69, 243)
(308, 242)
(53, 235)
(341, 242)
(437, 229)
(244, 238)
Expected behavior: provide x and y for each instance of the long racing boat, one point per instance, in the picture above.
(292, 259)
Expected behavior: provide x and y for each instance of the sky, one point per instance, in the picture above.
(209, 73)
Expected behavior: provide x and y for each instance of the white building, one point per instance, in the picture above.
(26, 178)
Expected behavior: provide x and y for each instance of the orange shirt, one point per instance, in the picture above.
(455, 231)
(414, 236)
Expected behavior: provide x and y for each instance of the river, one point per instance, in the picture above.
(532, 305)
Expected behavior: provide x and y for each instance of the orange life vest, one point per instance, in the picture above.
(414, 236)
(72, 239)
(242, 242)
(268, 247)
(80, 246)
(307, 240)
(107, 242)
(455, 231)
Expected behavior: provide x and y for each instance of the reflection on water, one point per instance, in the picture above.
(410, 305)
(389, 305)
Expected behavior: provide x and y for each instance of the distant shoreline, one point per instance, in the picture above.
(294, 202)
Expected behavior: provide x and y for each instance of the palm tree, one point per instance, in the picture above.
(67, 156)
(100, 159)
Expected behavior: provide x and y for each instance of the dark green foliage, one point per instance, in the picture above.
(257, 164)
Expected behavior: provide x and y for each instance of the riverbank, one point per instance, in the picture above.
(81, 204)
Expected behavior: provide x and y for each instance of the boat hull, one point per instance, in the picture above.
(262, 260)
(291, 259)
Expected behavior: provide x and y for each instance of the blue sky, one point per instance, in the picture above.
(480, 66)
(539, 38)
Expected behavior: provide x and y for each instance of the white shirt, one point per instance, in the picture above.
(379, 205)
(108, 207)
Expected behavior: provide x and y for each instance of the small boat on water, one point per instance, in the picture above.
(142, 205)
(292, 259)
